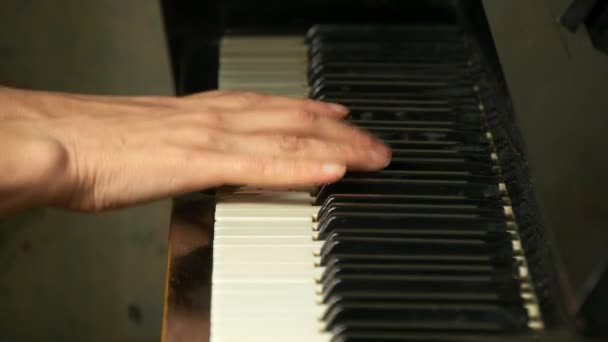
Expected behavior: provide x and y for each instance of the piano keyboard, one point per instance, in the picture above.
(426, 249)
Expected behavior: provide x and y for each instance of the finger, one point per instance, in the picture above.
(229, 100)
(237, 169)
(357, 157)
(296, 122)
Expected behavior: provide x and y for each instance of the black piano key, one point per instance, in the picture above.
(422, 266)
(513, 317)
(430, 134)
(336, 270)
(354, 220)
(503, 260)
(423, 88)
(407, 187)
(389, 76)
(467, 176)
(387, 113)
(497, 213)
(397, 69)
(414, 330)
(434, 145)
(441, 164)
(454, 100)
(378, 283)
(465, 157)
(386, 32)
(430, 125)
(489, 204)
(382, 245)
(425, 296)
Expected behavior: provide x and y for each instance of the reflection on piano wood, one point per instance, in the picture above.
(426, 249)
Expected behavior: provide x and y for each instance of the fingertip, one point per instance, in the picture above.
(333, 169)
(338, 109)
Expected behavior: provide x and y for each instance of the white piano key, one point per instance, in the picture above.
(222, 234)
(262, 253)
(269, 213)
(269, 241)
(264, 205)
(276, 225)
(304, 272)
(263, 248)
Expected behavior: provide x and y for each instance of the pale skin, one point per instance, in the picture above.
(92, 153)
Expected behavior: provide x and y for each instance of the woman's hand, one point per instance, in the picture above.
(91, 153)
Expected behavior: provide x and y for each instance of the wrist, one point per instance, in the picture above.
(20, 104)
(35, 172)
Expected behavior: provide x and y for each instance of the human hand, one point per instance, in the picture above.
(102, 152)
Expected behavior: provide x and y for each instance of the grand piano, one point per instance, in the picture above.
(490, 222)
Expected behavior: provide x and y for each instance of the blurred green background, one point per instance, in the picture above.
(66, 276)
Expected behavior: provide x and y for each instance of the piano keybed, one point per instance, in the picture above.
(426, 249)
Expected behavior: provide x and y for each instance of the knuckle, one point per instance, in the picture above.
(251, 98)
(306, 117)
(291, 143)
(208, 137)
(259, 166)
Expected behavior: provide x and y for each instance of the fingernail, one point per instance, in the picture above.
(380, 157)
(333, 169)
(381, 153)
(338, 108)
